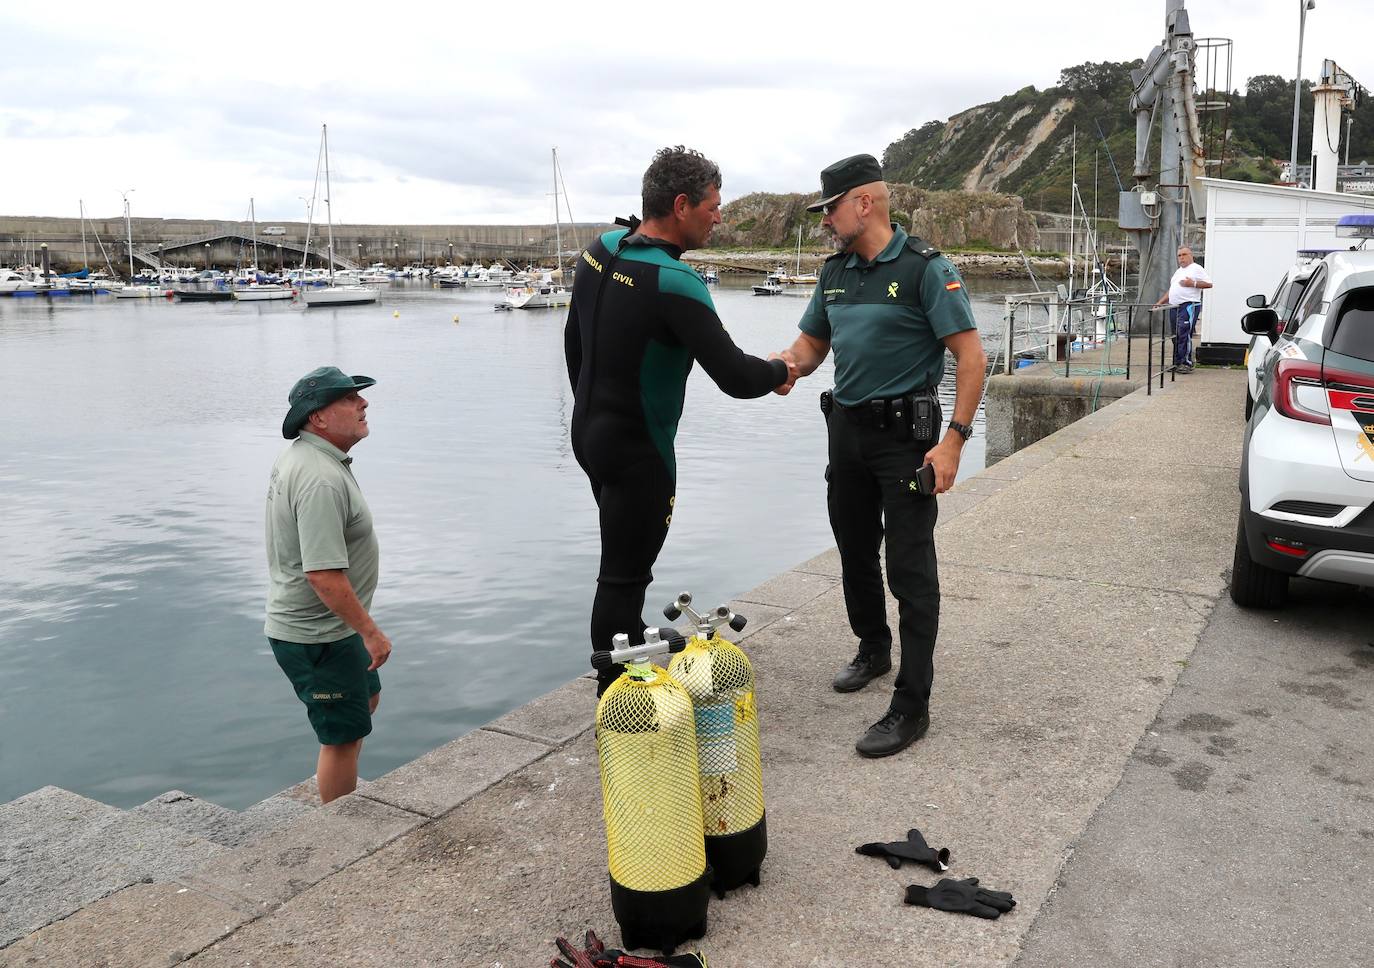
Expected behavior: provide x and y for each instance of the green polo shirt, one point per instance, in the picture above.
(317, 520)
(885, 319)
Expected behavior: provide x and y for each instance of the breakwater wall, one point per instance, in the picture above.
(204, 242)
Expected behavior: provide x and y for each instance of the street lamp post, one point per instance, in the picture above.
(1303, 7)
(207, 255)
(396, 254)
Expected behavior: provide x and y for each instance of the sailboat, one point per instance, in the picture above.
(258, 292)
(132, 291)
(332, 295)
(87, 281)
(548, 291)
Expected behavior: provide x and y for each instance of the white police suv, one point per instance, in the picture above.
(1307, 471)
(1283, 302)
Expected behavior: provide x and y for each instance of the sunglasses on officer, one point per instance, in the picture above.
(830, 208)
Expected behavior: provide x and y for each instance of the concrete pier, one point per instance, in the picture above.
(201, 243)
(1159, 778)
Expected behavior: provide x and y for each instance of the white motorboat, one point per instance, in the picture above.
(544, 294)
(262, 293)
(142, 292)
(483, 279)
(11, 281)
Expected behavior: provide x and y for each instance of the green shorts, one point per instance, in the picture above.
(333, 682)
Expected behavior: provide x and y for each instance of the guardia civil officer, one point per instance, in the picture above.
(888, 305)
(322, 559)
(639, 318)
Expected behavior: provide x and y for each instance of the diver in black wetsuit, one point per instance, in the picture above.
(639, 317)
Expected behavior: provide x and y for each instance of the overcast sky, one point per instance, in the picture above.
(446, 113)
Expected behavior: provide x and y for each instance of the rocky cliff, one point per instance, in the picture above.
(948, 219)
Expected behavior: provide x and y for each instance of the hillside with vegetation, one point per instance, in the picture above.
(1023, 144)
(975, 181)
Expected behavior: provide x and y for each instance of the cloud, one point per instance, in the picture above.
(448, 114)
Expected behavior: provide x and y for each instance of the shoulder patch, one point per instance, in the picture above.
(921, 247)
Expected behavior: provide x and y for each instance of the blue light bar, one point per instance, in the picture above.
(1317, 252)
(1355, 227)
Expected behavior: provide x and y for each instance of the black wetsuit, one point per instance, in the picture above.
(639, 317)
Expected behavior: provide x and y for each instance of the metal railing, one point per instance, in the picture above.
(1050, 327)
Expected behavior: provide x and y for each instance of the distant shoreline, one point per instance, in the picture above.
(981, 265)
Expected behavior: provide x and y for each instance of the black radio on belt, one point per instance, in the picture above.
(923, 418)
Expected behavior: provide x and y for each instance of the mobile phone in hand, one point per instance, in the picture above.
(924, 482)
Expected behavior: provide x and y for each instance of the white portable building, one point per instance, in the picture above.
(1254, 233)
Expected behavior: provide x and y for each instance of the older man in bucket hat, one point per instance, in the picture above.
(322, 560)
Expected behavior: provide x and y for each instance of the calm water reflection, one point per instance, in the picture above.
(137, 444)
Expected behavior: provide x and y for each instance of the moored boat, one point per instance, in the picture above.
(263, 293)
(203, 295)
(340, 296)
(142, 292)
(334, 294)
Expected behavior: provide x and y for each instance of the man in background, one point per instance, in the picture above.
(1185, 299)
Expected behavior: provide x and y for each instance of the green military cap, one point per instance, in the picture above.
(845, 174)
(318, 388)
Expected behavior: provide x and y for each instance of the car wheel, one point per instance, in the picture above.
(1249, 403)
(1254, 585)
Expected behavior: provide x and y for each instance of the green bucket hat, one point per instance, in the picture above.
(318, 388)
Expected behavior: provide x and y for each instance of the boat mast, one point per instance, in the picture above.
(253, 217)
(557, 225)
(82, 206)
(328, 209)
(799, 232)
(129, 229)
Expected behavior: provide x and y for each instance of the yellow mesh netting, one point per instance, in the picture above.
(721, 682)
(646, 740)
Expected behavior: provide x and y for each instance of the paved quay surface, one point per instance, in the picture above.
(1158, 777)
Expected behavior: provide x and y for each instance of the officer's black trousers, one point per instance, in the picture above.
(868, 494)
(635, 498)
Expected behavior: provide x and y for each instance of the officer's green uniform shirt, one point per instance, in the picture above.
(885, 319)
(317, 520)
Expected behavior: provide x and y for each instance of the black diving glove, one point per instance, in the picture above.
(914, 848)
(961, 897)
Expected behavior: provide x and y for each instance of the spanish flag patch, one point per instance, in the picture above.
(956, 284)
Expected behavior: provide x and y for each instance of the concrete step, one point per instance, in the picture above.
(229, 828)
(60, 851)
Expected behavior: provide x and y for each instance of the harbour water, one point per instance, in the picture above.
(138, 439)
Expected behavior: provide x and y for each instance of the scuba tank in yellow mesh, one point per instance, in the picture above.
(645, 737)
(651, 798)
(720, 680)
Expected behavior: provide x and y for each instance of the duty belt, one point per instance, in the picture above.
(879, 412)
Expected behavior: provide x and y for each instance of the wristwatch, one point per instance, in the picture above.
(963, 430)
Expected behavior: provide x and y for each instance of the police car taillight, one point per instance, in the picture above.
(1299, 393)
